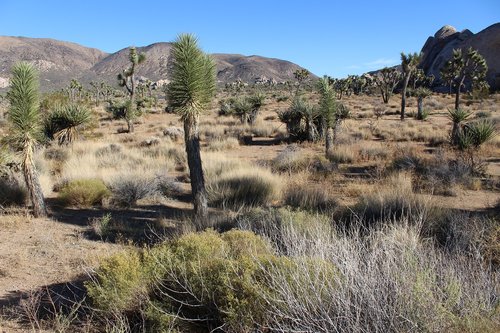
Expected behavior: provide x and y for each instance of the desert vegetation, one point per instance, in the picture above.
(307, 206)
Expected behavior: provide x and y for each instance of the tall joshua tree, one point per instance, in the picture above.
(409, 63)
(462, 66)
(300, 75)
(26, 128)
(190, 91)
(127, 79)
(328, 109)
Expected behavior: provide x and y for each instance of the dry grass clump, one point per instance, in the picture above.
(246, 187)
(434, 104)
(310, 198)
(343, 154)
(222, 144)
(372, 152)
(234, 184)
(393, 199)
(107, 161)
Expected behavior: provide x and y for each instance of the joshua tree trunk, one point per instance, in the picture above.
(33, 184)
(420, 107)
(328, 141)
(455, 133)
(191, 135)
(457, 94)
(311, 135)
(336, 129)
(403, 95)
(130, 122)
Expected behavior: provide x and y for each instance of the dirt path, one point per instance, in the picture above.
(41, 252)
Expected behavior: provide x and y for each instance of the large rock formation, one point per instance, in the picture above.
(438, 49)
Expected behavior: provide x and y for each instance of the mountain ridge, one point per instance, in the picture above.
(61, 61)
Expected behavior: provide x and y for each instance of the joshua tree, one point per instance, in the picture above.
(126, 79)
(300, 75)
(26, 128)
(409, 64)
(75, 90)
(462, 66)
(191, 90)
(387, 79)
(420, 93)
(328, 110)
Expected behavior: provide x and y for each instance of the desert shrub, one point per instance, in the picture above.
(483, 114)
(204, 278)
(388, 280)
(466, 233)
(243, 187)
(291, 159)
(174, 133)
(12, 193)
(56, 154)
(101, 225)
(311, 198)
(127, 191)
(120, 284)
(315, 279)
(83, 193)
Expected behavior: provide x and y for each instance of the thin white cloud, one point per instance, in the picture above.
(381, 62)
(375, 64)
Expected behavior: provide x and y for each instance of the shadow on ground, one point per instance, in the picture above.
(32, 308)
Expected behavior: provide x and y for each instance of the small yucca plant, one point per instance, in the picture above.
(479, 132)
(63, 123)
(457, 116)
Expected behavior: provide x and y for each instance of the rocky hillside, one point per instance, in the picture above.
(230, 67)
(59, 62)
(439, 48)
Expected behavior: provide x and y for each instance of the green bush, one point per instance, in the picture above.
(206, 278)
(84, 193)
(120, 284)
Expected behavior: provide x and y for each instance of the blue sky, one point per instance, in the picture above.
(327, 37)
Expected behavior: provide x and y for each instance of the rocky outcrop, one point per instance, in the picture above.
(439, 48)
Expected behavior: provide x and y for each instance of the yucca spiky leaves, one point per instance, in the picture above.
(63, 123)
(327, 100)
(193, 81)
(25, 120)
